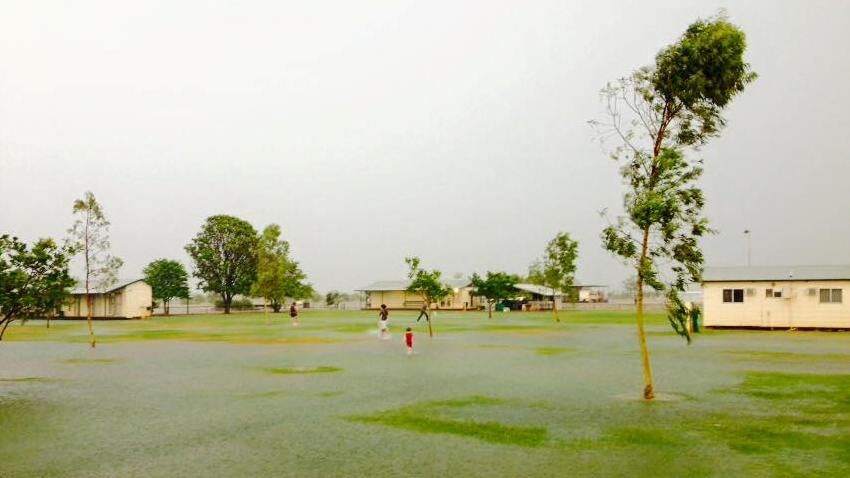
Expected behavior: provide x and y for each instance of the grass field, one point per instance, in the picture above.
(518, 395)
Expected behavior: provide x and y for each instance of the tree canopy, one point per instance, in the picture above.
(495, 287)
(278, 276)
(657, 115)
(557, 268)
(428, 284)
(34, 281)
(225, 256)
(168, 279)
(90, 237)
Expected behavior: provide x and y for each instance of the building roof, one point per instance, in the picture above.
(537, 289)
(776, 273)
(388, 285)
(120, 285)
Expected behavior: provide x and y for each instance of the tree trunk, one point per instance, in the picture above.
(428, 319)
(227, 301)
(89, 302)
(489, 309)
(648, 390)
(88, 275)
(166, 307)
(6, 323)
(555, 306)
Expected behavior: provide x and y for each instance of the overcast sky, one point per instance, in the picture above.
(369, 131)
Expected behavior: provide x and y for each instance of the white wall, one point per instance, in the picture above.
(797, 308)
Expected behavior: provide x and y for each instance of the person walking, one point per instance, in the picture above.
(408, 338)
(384, 321)
(423, 312)
(293, 312)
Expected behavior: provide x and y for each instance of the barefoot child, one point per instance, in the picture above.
(384, 322)
(408, 338)
(293, 312)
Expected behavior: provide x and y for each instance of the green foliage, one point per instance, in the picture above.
(656, 115)
(333, 297)
(33, 281)
(235, 304)
(426, 283)
(497, 286)
(225, 256)
(89, 236)
(278, 276)
(559, 263)
(168, 279)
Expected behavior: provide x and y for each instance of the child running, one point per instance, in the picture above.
(408, 338)
(384, 322)
(293, 312)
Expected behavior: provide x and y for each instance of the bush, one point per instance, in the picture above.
(236, 304)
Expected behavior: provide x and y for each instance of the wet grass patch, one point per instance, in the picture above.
(77, 361)
(27, 379)
(425, 418)
(300, 370)
(553, 350)
(786, 357)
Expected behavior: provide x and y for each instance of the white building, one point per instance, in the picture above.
(394, 294)
(130, 300)
(776, 297)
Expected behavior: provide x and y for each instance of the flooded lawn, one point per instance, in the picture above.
(518, 395)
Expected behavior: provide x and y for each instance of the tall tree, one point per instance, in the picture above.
(427, 284)
(90, 236)
(557, 268)
(333, 297)
(225, 257)
(168, 279)
(34, 281)
(656, 115)
(497, 286)
(278, 276)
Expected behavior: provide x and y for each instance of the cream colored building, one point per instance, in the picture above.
(131, 300)
(777, 297)
(395, 295)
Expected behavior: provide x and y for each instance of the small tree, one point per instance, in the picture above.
(168, 279)
(278, 276)
(90, 236)
(427, 284)
(496, 287)
(557, 268)
(656, 115)
(225, 256)
(33, 282)
(333, 297)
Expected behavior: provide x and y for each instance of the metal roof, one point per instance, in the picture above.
(776, 273)
(121, 285)
(537, 289)
(387, 285)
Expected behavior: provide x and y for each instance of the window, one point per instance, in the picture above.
(733, 295)
(830, 296)
(768, 293)
(773, 293)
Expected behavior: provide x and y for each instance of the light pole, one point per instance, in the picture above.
(747, 233)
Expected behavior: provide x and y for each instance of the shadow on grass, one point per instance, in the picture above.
(425, 418)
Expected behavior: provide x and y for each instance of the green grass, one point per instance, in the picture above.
(516, 395)
(300, 370)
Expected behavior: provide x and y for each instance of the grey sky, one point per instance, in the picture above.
(373, 130)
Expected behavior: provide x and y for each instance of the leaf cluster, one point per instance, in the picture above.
(33, 281)
(426, 283)
(168, 279)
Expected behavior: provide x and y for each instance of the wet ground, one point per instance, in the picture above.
(518, 395)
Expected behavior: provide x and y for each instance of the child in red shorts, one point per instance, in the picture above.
(408, 338)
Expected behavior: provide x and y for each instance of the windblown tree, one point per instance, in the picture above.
(225, 257)
(90, 236)
(333, 297)
(278, 276)
(556, 270)
(496, 287)
(34, 282)
(658, 115)
(427, 284)
(169, 280)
